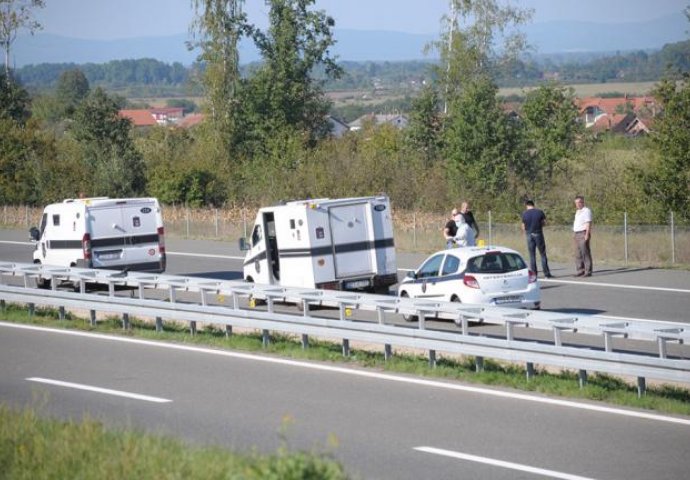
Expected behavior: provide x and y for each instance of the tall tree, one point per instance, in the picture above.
(14, 100)
(218, 27)
(668, 180)
(107, 147)
(549, 116)
(72, 88)
(15, 15)
(284, 93)
(424, 129)
(468, 47)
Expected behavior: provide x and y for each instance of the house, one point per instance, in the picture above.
(167, 115)
(190, 120)
(139, 118)
(399, 121)
(592, 108)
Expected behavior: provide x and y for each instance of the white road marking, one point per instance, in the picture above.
(366, 374)
(204, 255)
(107, 391)
(16, 243)
(501, 463)
(615, 285)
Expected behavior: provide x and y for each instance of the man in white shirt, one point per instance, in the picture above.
(582, 228)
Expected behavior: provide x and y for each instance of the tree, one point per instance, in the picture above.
(480, 141)
(549, 116)
(72, 88)
(107, 147)
(218, 27)
(14, 100)
(467, 47)
(668, 180)
(424, 129)
(15, 15)
(283, 95)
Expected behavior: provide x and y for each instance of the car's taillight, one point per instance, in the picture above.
(470, 281)
(161, 240)
(532, 277)
(86, 247)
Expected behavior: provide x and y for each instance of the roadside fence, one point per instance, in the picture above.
(625, 243)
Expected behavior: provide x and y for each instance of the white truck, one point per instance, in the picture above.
(334, 244)
(109, 233)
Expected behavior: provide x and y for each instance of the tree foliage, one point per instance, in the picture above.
(669, 180)
(549, 117)
(15, 15)
(107, 148)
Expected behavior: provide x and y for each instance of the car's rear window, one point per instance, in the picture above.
(496, 262)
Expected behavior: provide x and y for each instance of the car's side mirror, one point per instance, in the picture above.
(34, 234)
(411, 274)
(243, 244)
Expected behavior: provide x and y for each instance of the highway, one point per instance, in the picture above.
(381, 425)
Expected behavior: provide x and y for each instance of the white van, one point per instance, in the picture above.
(335, 244)
(110, 233)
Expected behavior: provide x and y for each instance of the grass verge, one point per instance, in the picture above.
(599, 387)
(33, 447)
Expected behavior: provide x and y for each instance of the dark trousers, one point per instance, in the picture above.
(583, 255)
(535, 241)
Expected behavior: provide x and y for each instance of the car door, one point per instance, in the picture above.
(427, 277)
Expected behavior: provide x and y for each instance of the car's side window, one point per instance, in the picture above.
(431, 267)
(451, 265)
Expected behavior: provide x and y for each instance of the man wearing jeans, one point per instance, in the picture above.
(582, 229)
(533, 221)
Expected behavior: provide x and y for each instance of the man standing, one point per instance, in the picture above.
(582, 228)
(451, 229)
(469, 219)
(533, 221)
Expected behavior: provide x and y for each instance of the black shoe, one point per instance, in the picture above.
(548, 275)
(580, 274)
(587, 275)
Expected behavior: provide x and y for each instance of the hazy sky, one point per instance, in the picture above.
(110, 19)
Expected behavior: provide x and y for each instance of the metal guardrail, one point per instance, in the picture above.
(380, 332)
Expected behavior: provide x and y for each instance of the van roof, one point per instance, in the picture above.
(106, 201)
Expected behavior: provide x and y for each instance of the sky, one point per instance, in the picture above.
(116, 19)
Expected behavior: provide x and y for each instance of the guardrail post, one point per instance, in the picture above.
(607, 342)
(159, 324)
(265, 338)
(582, 378)
(305, 341)
(432, 358)
(557, 337)
(235, 301)
(478, 364)
(269, 304)
(192, 328)
(380, 314)
(346, 347)
(2, 306)
(530, 370)
(641, 387)
(228, 330)
(387, 351)
(422, 320)
(32, 310)
(61, 312)
(92, 318)
(662, 347)
(125, 321)
(509, 331)
(464, 325)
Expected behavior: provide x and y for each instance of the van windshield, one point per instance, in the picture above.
(496, 262)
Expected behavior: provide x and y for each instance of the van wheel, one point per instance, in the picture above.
(408, 318)
(253, 301)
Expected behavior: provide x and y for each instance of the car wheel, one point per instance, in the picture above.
(408, 318)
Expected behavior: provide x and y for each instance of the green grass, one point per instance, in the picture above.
(599, 387)
(35, 447)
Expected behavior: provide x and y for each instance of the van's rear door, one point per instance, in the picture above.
(350, 228)
(124, 234)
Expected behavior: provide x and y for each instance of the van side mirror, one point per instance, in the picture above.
(34, 234)
(411, 274)
(243, 244)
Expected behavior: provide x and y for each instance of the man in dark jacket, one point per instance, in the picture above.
(533, 221)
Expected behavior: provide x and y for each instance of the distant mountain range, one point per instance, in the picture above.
(355, 45)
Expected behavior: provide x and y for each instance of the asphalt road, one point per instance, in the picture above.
(379, 426)
(640, 293)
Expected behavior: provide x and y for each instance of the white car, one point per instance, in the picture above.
(480, 275)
